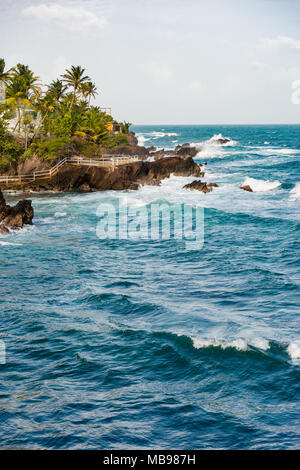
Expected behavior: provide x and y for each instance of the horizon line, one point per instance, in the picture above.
(231, 124)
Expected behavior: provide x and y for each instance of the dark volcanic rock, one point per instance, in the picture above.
(213, 185)
(132, 140)
(199, 186)
(222, 141)
(247, 188)
(128, 150)
(158, 155)
(186, 150)
(128, 176)
(15, 217)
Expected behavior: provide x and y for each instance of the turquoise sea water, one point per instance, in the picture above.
(122, 344)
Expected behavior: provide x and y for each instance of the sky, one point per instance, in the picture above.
(166, 61)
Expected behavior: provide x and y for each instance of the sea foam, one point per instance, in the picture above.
(211, 148)
(261, 185)
(295, 192)
(2, 243)
(239, 344)
(294, 350)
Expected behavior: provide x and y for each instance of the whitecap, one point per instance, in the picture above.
(260, 185)
(295, 192)
(260, 343)
(238, 344)
(294, 350)
(60, 214)
(211, 148)
(3, 243)
(141, 139)
(215, 140)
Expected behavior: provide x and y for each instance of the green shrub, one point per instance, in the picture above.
(51, 148)
(116, 140)
(10, 149)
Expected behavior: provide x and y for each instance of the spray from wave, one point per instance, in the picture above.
(213, 147)
(261, 185)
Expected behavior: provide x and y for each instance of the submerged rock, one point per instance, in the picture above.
(15, 217)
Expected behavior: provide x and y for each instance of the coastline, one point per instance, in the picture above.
(150, 168)
(119, 332)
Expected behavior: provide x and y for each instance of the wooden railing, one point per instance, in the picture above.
(112, 160)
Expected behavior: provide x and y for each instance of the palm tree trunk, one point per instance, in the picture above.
(19, 118)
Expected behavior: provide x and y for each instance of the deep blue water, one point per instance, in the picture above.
(146, 344)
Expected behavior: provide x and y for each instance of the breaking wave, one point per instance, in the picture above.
(295, 192)
(261, 185)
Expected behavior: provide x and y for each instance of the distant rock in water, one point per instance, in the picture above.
(222, 141)
(15, 217)
(247, 188)
(200, 186)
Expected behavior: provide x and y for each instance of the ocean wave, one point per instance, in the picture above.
(260, 185)
(238, 344)
(212, 148)
(60, 214)
(146, 136)
(141, 139)
(295, 192)
(294, 350)
(214, 140)
(159, 134)
(283, 351)
(3, 243)
(272, 151)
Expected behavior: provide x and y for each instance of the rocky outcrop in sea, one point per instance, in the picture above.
(15, 217)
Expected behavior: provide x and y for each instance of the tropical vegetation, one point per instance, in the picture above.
(50, 120)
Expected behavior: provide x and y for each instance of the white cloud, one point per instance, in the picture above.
(157, 71)
(281, 41)
(74, 18)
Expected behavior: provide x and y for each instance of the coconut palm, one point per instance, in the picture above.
(56, 90)
(16, 96)
(4, 76)
(74, 78)
(93, 125)
(30, 81)
(88, 90)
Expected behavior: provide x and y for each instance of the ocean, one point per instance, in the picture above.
(132, 344)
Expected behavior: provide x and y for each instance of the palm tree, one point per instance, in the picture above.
(56, 90)
(92, 125)
(88, 90)
(29, 79)
(4, 76)
(16, 93)
(75, 77)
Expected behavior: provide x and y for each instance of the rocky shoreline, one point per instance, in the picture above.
(15, 217)
(153, 166)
